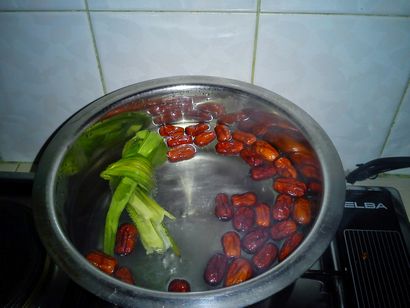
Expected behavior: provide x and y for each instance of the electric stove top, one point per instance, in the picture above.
(366, 264)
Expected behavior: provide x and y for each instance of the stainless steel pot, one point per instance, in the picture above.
(70, 206)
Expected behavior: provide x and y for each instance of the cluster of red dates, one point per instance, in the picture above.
(275, 150)
(125, 241)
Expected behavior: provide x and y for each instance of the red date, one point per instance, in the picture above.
(285, 168)
(290, 186)
(222, 132)
(262, 215)
(315, 187)
(232, 147)
(263, 172)
(244, 137)
(181, 152)
(176, 140)
(265, 257)
(124, 274)
(196, 129)
(245, 199)
(204, 138)
(126, 239)
(254, 240)
(231, 118)
(197, 116)
(264, 149)
(251, 158)
(246, 125)
(302, 211)
(260, 129)
(310, 172)
(290, 245)
(102, 261)
(170, 130)
(283, 229)
(215, 109)
(231, 244)
(179, 285)
(169, 116)
(282, 208)
(215, 269)
(243, 218)
(239, 271)
(223, 210)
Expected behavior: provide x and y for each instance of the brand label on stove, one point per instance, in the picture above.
(365, 205)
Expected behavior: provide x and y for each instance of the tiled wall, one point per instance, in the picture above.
(346, 63)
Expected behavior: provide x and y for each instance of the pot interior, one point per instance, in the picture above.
(187, 189)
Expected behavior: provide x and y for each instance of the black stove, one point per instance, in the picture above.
(366, 265)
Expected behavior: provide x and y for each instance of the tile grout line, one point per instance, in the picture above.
(200, 11)
(97, 56)
(396, 112)
(255, 40)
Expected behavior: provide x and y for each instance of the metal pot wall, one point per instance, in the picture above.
(70, 204)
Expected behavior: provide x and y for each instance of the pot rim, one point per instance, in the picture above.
(80, 270)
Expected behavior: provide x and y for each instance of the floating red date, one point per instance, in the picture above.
(204, 138)
(246, 199)
(231, 244)
(310, 172)
(265, 150)
(222, 132)
(179, 285)
(213, 108)
(253, 240)
(223, 210)
(124, 274)
(168, 117)
(244, 137)
(239, 271)
(197, 116)
(283, 229)
(283, 207)
(170, 130)
(232, 147)
(196, 129)
(302, 213)
(126, 239)
(215, 269)
(290, 245)
(246, 125)
(262, 215)
(251, 158)
(290, 186)
(243, 218)
(181, 152)
(260, 129)
(176, 140)
(265, 257)
(285, 168)
(102, 261)
(231, 118)
(315, 187)
(263, 172)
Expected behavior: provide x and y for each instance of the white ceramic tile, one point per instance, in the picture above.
(348, 72)
(396, 7)
(185, 5)
(48, 71)
(398, 143)
(42, 5)
(138, 46)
